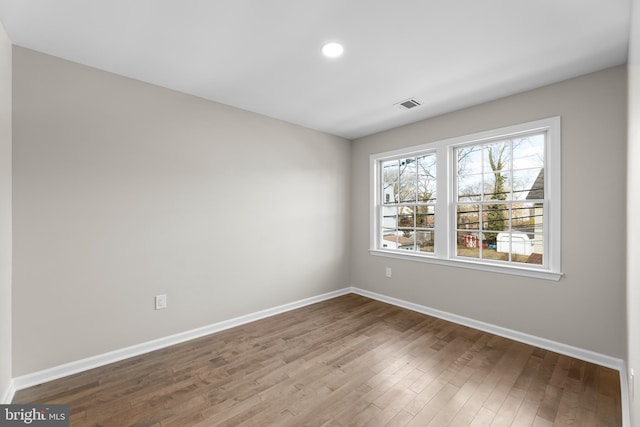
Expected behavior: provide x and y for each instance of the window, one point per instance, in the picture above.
(408, 208)
(489, 201)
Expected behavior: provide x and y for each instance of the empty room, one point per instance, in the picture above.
(288, 213)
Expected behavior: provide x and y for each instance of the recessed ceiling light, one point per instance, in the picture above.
(332, 50)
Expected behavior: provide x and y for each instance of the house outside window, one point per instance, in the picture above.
(489, 201)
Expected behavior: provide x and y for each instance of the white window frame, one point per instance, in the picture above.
(445, 211)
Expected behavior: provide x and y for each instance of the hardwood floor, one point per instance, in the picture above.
(344, 362)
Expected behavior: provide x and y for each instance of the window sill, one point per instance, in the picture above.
(470, 264)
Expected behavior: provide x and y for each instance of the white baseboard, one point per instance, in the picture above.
(82, 365)
(578, 353)
(7, 396)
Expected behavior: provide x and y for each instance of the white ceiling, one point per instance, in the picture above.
(264, 55)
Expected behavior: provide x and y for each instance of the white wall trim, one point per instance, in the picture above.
(568, 350)
(7, 396)
(82, 365)
(624, 397)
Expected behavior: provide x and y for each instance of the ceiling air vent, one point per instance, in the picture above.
(409, 103)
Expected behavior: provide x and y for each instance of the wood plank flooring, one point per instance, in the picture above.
(348, 361)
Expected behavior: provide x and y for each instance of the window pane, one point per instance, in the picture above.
(469, 188)
(468, 244)
(390, 181)
(469, 160)
(489, 251)
(406, 217)
(497, 156)
(425, 240)
(528, 184)
(527, 217)
(389, 171)
(538, 217)
(388, 239)
(390, 193)
(537, 254)
(468, 217)
(406, 240)
(495, 217)
(425, 216)
(426, 169)
(528, 152)
(408, 180)
(497, 186)
(519, 245)
(389, 217)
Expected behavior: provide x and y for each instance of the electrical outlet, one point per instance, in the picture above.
(388, 272)
(161, 302)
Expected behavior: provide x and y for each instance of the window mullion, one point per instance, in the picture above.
(444, 203)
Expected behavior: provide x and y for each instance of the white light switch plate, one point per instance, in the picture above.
(161, 302)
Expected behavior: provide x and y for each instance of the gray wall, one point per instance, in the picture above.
(124, 190)
(586, 308)
(5, 212)
(633, 207)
